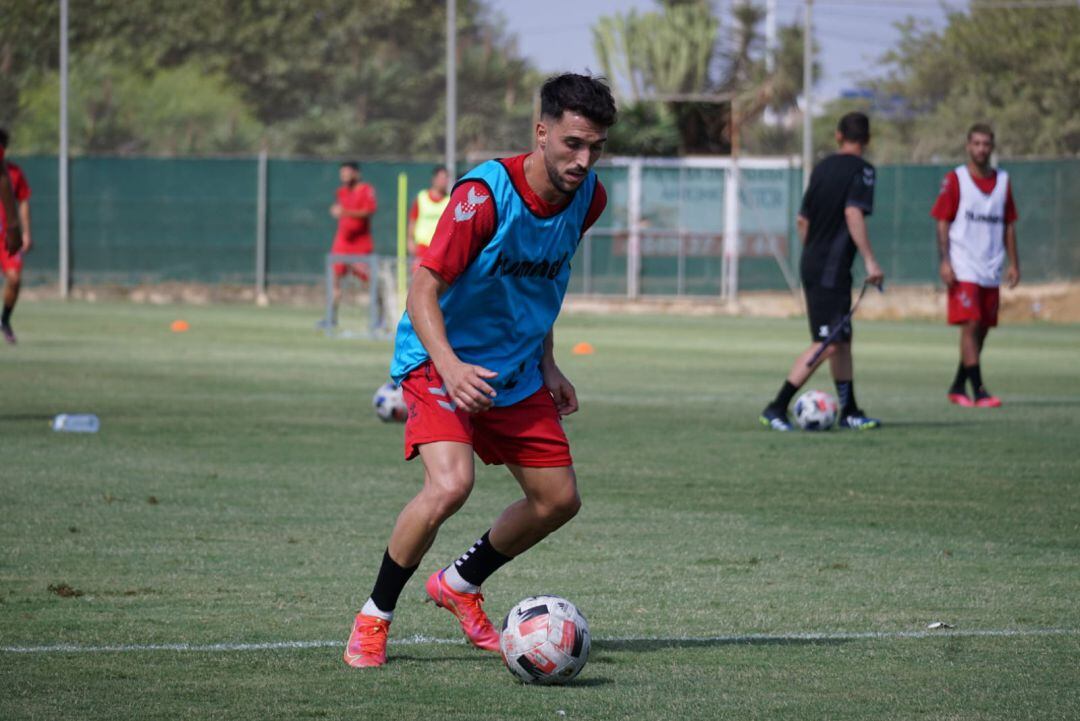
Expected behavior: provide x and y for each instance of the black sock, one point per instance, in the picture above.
(389, 583)
(960, 380)
(480, 561)
(845, 393)
(974, 374)
(783, 398)
(5, 319)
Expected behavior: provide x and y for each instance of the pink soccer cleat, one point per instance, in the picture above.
(961, 399)
(367, 642)
(988, 401)
(466, 607)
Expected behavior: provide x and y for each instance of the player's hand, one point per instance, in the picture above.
(562, 390)
(26, 243)
(948, 277)
(335, 210)
(1012, 276)
(874, 274)
(467, 386)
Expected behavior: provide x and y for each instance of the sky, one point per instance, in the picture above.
(557, 34)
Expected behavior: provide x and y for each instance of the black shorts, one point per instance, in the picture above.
(826, 308)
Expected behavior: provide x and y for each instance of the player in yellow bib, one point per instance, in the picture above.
(425, 212)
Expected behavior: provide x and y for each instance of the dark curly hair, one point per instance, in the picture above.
(582, 94)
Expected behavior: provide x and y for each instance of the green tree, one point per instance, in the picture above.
(1015, 67)
(321, 76)
(679, 52)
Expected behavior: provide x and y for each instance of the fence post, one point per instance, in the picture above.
(633, 248)
(731, 233)
(260, 230)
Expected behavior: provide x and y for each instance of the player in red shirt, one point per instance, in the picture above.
(976, 229)
(353, 207)
(14, 232)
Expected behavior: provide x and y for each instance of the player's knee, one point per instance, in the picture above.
(560, 508)
(449, 495)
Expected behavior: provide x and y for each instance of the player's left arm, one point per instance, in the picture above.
(856, 223)
(560, 387)
(859, 204)
(24, 221)
(1012, 275)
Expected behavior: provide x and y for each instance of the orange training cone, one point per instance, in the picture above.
(179, 326)
(584, 348)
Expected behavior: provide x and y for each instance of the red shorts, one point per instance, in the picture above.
(8, 262)
(970, 301)
(527, 433)
(358, 245)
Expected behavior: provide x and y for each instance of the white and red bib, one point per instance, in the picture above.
(977, 234)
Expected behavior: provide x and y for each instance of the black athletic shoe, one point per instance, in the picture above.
(774, 419)
(858, 421)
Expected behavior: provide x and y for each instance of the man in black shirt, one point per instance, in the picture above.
(832, 227)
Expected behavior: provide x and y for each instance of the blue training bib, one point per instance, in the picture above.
(500, 309)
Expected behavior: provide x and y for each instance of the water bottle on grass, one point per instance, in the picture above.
(76, 423)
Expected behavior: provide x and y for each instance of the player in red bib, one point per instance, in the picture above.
(976, 230)
(14, 233)
(353, 207)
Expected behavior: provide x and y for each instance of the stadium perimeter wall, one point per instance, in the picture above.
(144, 220)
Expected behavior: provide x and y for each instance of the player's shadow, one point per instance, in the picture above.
(20, 417)
(639, 645)
(1044, 402)
(927, 424)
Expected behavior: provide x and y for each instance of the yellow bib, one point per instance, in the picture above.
(427, 217)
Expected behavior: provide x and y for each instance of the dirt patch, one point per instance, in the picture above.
(64, 591)
(1054, 302)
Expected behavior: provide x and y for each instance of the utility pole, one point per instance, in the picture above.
(808, 81)
(65, 239)
(451, 88)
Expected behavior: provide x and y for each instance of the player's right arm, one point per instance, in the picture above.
(802, 227)
(948, 276)
(944, 212)
(13, 233)
(464, 229)
(466, 384)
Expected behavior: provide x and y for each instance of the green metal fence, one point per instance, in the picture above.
(151, 219)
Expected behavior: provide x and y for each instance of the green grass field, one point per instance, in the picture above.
(241, 491)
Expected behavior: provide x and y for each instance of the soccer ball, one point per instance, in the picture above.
(389, 403)
(815, 411)
(545, 640)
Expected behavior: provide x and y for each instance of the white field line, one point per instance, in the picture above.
(613, 641)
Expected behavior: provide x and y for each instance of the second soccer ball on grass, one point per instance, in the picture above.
(815, 411)
(389, 403)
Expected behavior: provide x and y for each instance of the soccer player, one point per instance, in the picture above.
(832, 227)
(353, 208)
(976, 229)
(474, 354)
(425, 212)
(14, 232)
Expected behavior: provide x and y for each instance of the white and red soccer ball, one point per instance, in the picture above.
(389, 402)
(545, 640)
(815, 411)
